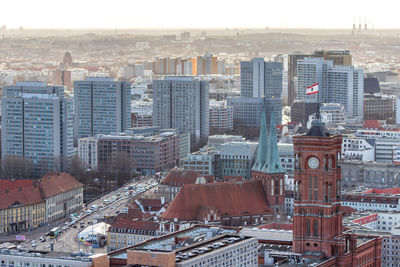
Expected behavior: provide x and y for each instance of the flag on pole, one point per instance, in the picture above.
(313, 89)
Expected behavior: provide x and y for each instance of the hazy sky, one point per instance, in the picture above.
(197, 14)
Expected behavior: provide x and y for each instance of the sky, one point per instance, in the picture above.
(197, 14)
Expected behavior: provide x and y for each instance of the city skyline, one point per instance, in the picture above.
(157, 14)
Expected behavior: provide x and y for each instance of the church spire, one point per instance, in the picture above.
(262, 143)
(272, 162)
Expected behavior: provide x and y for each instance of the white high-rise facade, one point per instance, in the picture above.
(337, 84)
(37, 124)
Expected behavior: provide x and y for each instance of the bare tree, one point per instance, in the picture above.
(14, 167)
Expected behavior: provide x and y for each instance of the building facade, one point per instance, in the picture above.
(182, 103)
(22, 207)
(221, 117)
(260, 79)
(337, 84)
(379, 107)
(237, 158)
(62, 193)
(148, 154)
(102, 106)
(37, 125)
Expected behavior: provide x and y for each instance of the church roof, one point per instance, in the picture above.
(227, 199)
(272, 163)
(262, 148)
(267, 157)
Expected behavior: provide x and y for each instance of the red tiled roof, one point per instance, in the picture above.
(387, 191)
(22, 195)
(347, 210)
(15, 184)
(372, 124)
(146, 202)
(178, 177)
(131, 224)
(56, 183)
(228, 199)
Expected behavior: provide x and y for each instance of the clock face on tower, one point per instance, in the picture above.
(313, 162)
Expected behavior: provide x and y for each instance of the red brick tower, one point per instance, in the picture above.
(317, 220)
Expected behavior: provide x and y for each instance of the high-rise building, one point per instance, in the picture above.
(292, 75)
(260, 79)
(102, 106)
(182, 103)
(37, 124)
(337, 84)
(207, 64)
(337, 56)
(62, 77)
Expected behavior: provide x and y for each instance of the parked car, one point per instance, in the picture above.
(42, 239)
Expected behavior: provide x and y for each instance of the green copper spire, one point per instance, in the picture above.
(262, 144)
(272, 162)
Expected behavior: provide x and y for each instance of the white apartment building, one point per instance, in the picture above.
(358, 149)
(87, 152)
(337, 84)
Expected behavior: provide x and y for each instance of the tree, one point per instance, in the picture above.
(77, 168)
(15, 167)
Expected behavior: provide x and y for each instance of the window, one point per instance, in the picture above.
(315, 226)
(308, 228)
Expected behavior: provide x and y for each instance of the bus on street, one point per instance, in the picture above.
(54, 232)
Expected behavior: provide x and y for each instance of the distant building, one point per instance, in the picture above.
(37, 124)
(337, 84)
(260, 79)
(358, 149)
(379, 107)
(207, 64)
(339, 57)
(176, 179)
(337, 111)
(246, 111)
(221, 117)
(301, 110)
(150, 154)
(182, 103)
(63, 77)
(237, 158)
(102, 106)
(292, 75)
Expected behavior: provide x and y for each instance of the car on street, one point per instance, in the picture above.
(42, 239)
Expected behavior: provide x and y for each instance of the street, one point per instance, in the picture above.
(67, 240)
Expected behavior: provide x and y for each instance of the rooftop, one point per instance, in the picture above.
(227, 199)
